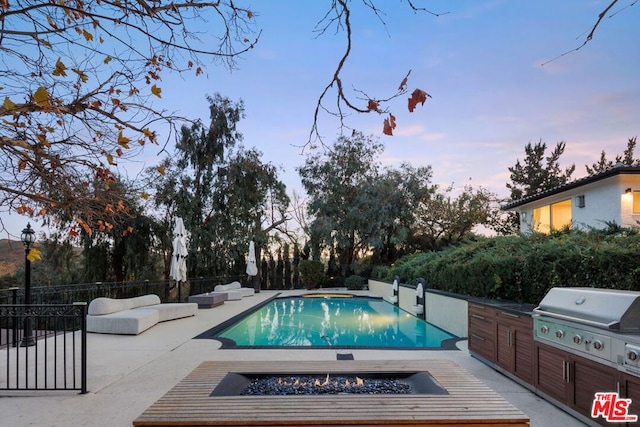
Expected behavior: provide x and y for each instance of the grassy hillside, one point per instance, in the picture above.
(11, 256)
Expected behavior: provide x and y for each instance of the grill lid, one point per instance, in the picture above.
(611, 309)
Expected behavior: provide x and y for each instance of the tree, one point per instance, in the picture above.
(445, 220)
(113, 251)
(224, 192)
(627, 158)
(538, 173)
(333, 182)
(78, 81)
(392, 213)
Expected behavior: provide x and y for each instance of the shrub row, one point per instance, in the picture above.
(524, 268)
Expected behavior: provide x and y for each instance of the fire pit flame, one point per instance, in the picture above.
(324, 384)
(296, 382)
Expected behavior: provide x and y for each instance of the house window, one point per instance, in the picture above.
(636, 202)
(552, 217)
(542, 219)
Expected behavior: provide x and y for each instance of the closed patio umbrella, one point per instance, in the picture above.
(178, 271)
(252, 265)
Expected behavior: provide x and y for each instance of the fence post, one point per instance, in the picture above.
(14, 328)
(83, 345)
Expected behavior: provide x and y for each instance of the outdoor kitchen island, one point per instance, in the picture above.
(467, 401)
(577, 342)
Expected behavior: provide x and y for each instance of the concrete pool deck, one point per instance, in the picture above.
(127, 374)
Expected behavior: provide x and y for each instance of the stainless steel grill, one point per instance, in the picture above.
(614, 310)
(599, 324)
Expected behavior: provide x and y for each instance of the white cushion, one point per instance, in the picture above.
(145, 300)
(103, 305)
(176, 310)
(228, 287)
(128, 322)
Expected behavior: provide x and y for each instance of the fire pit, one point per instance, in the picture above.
(460, 399)
(286, 384)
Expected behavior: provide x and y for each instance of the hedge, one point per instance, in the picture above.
(524, 268)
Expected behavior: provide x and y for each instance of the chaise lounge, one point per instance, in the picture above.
(132, 316)
(235, 291)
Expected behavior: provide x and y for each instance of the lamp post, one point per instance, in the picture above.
(28, 236)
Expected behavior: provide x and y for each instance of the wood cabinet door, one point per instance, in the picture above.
(482, 331)
(523, 358)
(630, 389)
(587, 378)
(551, 372)
(505, 350)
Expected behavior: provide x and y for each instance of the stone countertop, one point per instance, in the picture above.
(510, 306)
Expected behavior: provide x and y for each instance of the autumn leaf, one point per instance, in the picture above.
(81, 74)
(107, 59)
(373, 106)
(42, 212)
(42, 138)
(161, 170)
(198, 71)
(389, 125)
(87, 35)
(41, 97)
(151, 135)
(51, 23)
(144, 195)
(417, 96)
(22, 165)
(249, 14)
(22, 209)
(8, 104)
(33, 255)
(119, 152)
(61, 69)
(403, 83)
(73, 232)
(156, 91)
(85, 226)
(123, 141)
(110, 159)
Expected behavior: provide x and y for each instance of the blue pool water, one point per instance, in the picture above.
(332, 322)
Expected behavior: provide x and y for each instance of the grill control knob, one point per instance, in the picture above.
(632, 355)
(544, 329)
(559, 333)
(598, 345)
(577, 339)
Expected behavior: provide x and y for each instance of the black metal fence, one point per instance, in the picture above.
(167, 290)
(44, 347)
(43, 344)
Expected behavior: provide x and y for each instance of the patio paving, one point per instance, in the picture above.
(127, 374)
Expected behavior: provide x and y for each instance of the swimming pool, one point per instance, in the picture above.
(328, 322)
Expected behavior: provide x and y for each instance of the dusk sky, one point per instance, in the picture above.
(481, 62)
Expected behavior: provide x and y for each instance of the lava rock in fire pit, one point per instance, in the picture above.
(318, 384)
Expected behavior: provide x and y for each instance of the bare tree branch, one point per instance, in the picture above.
(602, 15)
(339, 17)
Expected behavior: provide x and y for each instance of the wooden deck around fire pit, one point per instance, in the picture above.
(469, 402)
